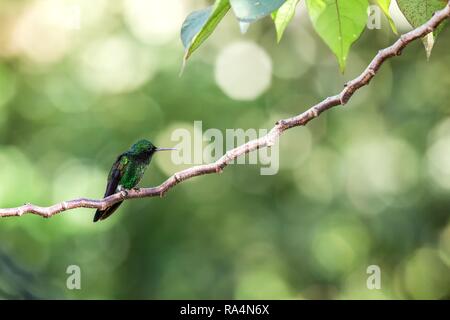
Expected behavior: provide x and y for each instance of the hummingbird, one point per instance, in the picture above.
(127, 171)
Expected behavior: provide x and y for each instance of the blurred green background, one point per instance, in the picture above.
(365, 184)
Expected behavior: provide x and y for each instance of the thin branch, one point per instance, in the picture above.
(266, 141)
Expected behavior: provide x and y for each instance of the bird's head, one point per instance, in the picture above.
(146, 147)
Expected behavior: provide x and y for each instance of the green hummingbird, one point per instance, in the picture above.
(127, 171)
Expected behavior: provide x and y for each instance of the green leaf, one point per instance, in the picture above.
(199, 25)
(251, 10)
(339, 23)
(417, 12)
(283, 16)
(384, 5)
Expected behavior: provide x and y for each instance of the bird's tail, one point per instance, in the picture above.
(103, 214)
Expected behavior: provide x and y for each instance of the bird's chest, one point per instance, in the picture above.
(133, 174)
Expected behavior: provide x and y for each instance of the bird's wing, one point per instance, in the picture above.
(116, 174)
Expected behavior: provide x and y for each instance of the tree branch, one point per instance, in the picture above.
(266, 141)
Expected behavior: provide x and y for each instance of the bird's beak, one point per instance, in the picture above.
(165, 149)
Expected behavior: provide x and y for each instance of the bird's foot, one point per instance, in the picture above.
(123, 191)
